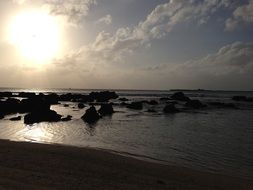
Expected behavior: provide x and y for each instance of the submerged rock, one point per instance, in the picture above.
(81, 106)
(103, 96)
(196, 104)
(135, 105)
(91, 115)
(67, 118)
(40, 116)
(123, 99)
(170, 108)
(18, 118)
(180, 96)
(152, 102)
(106, 109)
(222, 105)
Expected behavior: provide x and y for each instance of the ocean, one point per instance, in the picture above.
(218, 140)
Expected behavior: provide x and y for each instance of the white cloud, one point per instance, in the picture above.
(230, 67)
(73, 10)
(111, 47)
(107, 19)
(242, 14)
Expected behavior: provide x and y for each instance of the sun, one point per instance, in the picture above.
(36, 34)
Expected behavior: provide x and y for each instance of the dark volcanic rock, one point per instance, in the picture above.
(135, 105)
(81, 106)
(180, 96)
(68, 118)
(106, 109)
(151, 111)
(5, 94)
(33, 105)
(91, 115)
(165, 99)
(40, 116)
(152, 102)
(123, 99)
(18, 118)
(170, 108)
(222, 105)
(242, 98)
(196, 104)
(103, 96)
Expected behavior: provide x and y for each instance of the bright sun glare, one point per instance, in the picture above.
(36, 35)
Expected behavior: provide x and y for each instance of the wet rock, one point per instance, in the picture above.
(81, 106)
(103, 96)
(5, 94)
(91, 115)
(106, 109)
(135, 105)
(152, 102)
(151, 111)
(196, 104)
(27, 94)
(242, 98)
(67, 118)
(171, 102)
(170, 108)
(33, 105)
(165, 99)
(51, 98)
(18, 118)
(222, 105)
(40, 116)
(180, 96)
(123, 99)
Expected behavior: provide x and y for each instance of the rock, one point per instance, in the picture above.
(196, 104)
(5, 94)
(40, 116)
(33, 105)
(135, 105)
(222, 105)
(242, 98)
(91, 115)
(180, 96)
(18, 118)
(81, 106)
(65, 105)
(152, 102)
(106, 109)
(68, 118)
(151, 111)
(103, 96)
(165, 99)
(170, 108)
(171, 102)
(123, 99)
(27, 94)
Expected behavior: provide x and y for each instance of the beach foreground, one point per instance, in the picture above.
(42, 166)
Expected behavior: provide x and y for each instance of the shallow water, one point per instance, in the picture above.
(217, 140)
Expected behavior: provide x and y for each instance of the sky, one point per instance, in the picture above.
(127, 44)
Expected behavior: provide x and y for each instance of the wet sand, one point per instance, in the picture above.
(40, 166)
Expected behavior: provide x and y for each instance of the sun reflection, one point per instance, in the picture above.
(38, 133)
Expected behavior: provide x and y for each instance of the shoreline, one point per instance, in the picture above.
(54, 166)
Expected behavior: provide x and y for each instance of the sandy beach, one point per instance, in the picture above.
(41, 166)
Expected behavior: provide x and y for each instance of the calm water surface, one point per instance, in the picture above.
(217, 140)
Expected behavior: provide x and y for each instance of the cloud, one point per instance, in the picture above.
(164, 18)
(107, 19)
(73, 10)
(231, 67)
(242, 14)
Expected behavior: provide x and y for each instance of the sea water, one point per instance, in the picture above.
(215, 140)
